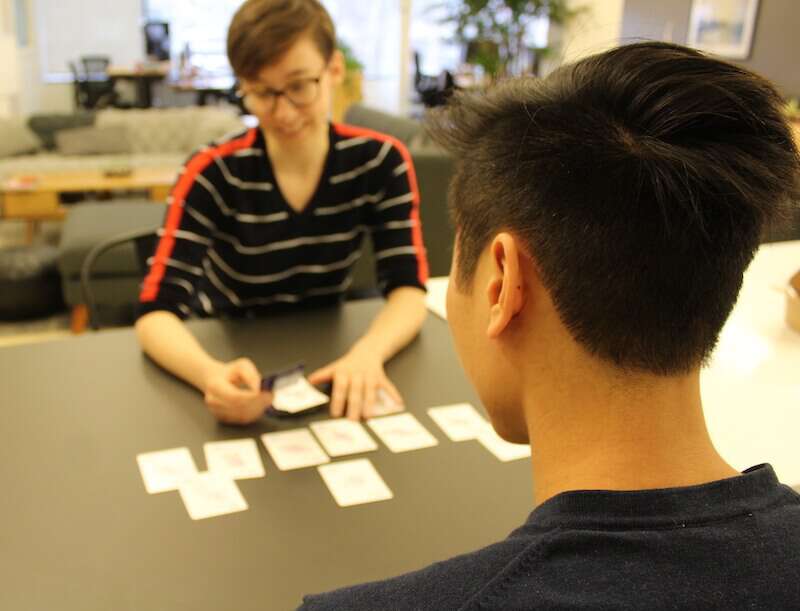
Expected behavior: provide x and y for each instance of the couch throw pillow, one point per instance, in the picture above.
(109, 140)
(16, 138)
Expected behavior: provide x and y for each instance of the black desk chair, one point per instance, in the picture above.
(78, 89)
(144, 242)
(94, 88)
(432, 90)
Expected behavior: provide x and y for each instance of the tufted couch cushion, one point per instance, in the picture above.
(16, 138)
(156, 137)
(170, 130)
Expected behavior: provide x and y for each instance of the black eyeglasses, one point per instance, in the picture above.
(300, 93)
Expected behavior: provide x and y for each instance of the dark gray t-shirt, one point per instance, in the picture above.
(729, 544)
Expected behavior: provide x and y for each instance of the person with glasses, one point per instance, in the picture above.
(274, 217)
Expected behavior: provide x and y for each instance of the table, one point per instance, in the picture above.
(204, 87)
(144, 77)
(36, 198)
(751, 388)
(81, 533)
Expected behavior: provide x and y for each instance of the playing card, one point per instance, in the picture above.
(459, 422)
(293, 393)
(501, 448)
(294, 449)
(340, 437)
(353, 482)
(385, 404)
(166, 469)
(236, 458)
(402, 433)
(210, 494)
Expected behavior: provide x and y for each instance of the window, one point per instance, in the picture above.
(69, 29)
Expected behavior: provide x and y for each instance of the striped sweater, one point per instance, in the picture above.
(232, 245)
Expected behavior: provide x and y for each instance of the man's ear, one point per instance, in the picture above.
(506, 290)
(336, 67)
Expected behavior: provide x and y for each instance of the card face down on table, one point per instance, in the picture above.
(340, 437)
(353, 482)
(294, 449)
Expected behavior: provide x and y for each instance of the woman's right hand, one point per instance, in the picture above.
(233, 392)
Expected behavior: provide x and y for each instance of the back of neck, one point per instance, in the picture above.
(636, 434)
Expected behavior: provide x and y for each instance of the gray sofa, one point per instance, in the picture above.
(117, 273)
(147, 138)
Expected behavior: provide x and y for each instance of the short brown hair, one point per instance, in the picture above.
(263, 30)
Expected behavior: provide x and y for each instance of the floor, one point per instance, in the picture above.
(12, 233)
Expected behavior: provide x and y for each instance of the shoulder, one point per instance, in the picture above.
(443, 585)
(232, 145)
(354, 140)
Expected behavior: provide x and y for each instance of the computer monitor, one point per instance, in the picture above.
(156, 37)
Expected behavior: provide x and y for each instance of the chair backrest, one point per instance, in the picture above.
(78, 89)
(144, 241)
(96, 67)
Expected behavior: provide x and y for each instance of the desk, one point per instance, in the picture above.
(204, 87)
(143, 77)
(36, 198)
(79, 531)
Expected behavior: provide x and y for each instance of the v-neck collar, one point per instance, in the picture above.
(322, 183)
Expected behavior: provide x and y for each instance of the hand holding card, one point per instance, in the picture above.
(292, 393)
(233, 393)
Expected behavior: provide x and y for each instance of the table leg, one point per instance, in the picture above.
(159, 194)
(31, 229)
(79, 319)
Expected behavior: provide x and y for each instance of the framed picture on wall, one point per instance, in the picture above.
(723, 27)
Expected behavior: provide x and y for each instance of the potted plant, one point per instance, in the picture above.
(351, 89)
(494, 31)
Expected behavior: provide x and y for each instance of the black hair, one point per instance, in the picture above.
(639, 180)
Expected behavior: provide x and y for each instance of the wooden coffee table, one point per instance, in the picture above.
(35, 198)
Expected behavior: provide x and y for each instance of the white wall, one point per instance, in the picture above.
(597, 28)
(9, 68)
(36, 95)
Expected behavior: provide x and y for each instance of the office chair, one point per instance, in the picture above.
(432, 90)
(78, 89)
(144, 242)
(96, 85)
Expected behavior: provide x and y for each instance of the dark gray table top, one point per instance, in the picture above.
(80, 532)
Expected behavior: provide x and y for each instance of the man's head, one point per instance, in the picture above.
(635, 185)
(284, 54)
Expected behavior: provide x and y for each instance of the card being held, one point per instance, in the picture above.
(340, 437)
(294, 449)
(292, 392)
(211, 494)
(353, 482)
(236, 458)
(166, 469)
(459, 422)
(402, 433)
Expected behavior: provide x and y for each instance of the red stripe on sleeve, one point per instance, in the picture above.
(195, 166)
(353, 131)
